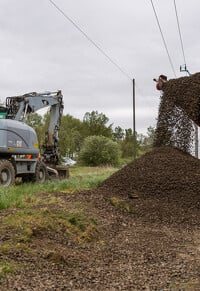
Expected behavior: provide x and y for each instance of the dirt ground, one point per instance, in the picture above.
(146, 234)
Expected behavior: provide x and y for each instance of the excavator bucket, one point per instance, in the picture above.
(57, 172)
(63, 172)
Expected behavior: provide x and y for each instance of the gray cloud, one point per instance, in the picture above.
(41, 50)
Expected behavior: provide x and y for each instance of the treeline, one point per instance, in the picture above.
(74, 134)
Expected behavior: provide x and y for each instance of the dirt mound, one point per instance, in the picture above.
(179, 106)
(164, 171)
(117, 243)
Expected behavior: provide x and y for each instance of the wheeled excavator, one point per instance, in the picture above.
(20, 155)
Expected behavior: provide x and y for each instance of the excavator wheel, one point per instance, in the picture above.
(7, 173)
(41, 174)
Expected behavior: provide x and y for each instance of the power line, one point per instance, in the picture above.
(196, 138)
(164, 42)
(90, 40)
(179, 30)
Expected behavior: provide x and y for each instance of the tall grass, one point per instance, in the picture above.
(80, 178)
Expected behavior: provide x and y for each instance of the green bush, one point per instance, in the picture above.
(99, 150)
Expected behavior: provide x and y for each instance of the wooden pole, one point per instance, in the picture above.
(134, 132)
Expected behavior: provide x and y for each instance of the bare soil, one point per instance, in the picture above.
(147, 233)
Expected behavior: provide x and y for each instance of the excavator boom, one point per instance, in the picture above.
(18, 107)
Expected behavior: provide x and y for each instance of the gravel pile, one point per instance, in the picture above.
(164, 171)
(179, 106)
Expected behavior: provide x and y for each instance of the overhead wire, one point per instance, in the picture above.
(196, 141)
(180, 35)
(90, 40)
(162, 35)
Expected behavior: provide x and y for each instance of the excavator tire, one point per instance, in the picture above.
(7, 173)
(41, 174)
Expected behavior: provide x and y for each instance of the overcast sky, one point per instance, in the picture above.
(42, 51)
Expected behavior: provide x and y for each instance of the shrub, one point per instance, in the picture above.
(99, 150)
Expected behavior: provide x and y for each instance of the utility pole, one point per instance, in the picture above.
(134, 133)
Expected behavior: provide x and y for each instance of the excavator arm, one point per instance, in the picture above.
(18, 107)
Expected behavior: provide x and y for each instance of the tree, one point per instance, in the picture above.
(99, 150)
(70, 136)
(118, 134)
(150, 136)
(146, 141)
(37, 122)
(127, 145)
(94, 123)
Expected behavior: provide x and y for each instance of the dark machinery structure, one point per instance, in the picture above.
(19, 150)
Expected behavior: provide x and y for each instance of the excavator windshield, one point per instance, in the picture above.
(3, 112)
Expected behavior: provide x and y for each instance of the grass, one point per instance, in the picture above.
(80, 178)
(120, 204)
(47, 215)
(5, 268)
(190, 285)
(31, 223)
(77, 171)
(41, 214)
